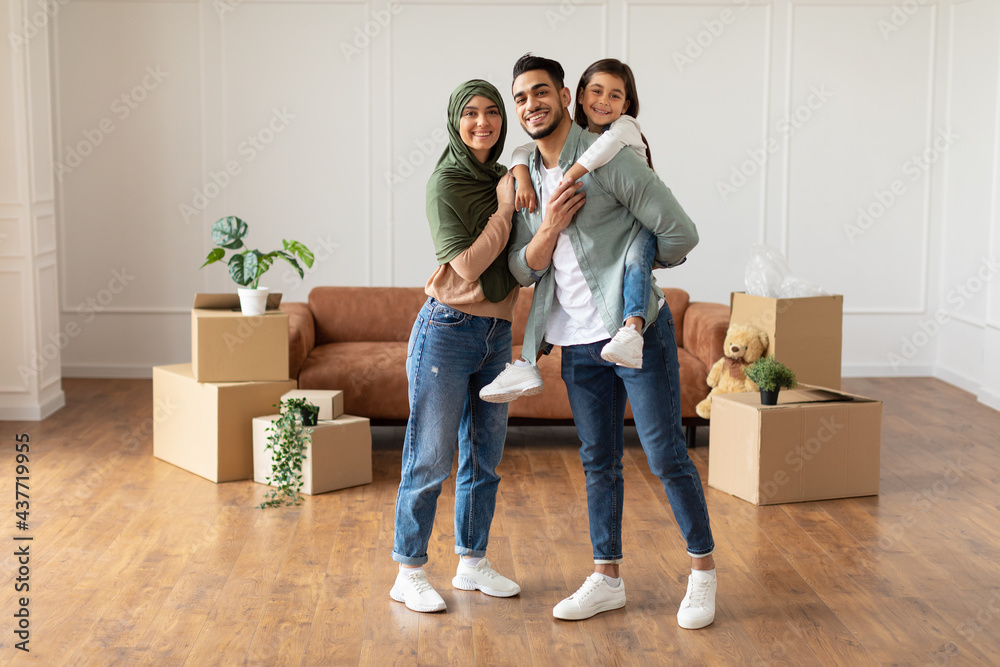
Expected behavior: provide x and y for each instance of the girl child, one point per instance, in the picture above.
(606, 103)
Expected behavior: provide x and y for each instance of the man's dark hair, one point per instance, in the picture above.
(528, 62)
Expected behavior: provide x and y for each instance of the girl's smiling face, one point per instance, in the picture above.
(603, 100)
(480, 126)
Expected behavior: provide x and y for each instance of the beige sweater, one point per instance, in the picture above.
(456, 283)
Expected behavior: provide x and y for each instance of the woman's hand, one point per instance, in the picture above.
(505, 190)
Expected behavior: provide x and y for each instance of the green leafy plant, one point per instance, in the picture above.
(770, 374)
(287, 441)
(247, 266)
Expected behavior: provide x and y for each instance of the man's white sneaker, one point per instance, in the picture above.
(484, 578)
(513, 383)
(698, 606)
(596, 595)
(413, 589)
(625, 349)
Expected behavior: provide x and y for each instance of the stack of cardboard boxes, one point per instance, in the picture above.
(818, 442)
(239, 371)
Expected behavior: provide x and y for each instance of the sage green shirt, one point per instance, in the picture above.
(622, 195)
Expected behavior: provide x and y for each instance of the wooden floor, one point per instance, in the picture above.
(135, 561)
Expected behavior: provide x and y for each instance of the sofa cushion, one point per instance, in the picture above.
(371, 375)
(360, 314)
(678, 301)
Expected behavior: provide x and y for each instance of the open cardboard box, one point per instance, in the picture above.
(338, 456)
(806, 333)
(227, 346)
(816, 444)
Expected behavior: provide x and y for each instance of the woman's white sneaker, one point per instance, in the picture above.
(698, 606)
(596, 595)
(413, 590)
(484, 578)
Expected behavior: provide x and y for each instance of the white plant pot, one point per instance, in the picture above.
(253, 301)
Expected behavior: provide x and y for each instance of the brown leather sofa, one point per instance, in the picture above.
(354, 339)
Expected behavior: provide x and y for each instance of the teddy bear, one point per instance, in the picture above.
(743, 346)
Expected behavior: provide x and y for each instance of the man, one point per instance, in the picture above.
(577, 266)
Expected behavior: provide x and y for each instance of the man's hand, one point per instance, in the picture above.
(565, 201)
(562, 206)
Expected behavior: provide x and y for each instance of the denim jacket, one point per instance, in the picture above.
(622, 195)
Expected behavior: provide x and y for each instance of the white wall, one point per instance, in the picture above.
(837, 95)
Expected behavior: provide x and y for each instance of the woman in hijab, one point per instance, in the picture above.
(460, 341)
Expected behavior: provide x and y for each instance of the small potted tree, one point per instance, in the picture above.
(287, 442)
(247, 266)
(771, 375)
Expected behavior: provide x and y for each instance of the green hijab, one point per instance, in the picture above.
(461, 193)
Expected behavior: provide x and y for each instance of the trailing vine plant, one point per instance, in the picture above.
(287, 441)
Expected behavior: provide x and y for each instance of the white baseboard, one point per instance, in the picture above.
(884, 371)
(34, 413)
(988, 398)
(957, 379)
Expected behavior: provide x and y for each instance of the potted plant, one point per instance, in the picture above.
(287, 441)
(310, 414)
(770, 375)
(247, 266)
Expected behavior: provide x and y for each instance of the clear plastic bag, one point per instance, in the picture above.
(768, 274)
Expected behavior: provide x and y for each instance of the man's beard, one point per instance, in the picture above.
(546, 131)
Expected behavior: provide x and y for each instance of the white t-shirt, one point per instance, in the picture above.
(574, 318)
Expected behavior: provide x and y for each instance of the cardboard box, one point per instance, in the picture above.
(816, 444)
(339, 456)
(329, 401)
(806, 334)
(205, 427)
(227, 346)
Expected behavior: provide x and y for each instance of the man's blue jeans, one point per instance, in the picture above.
(451, 356)
(597, 393)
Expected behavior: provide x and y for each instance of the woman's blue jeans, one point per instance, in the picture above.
(597, 393)
(451, 356)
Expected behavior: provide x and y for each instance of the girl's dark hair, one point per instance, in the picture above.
(614, 67)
